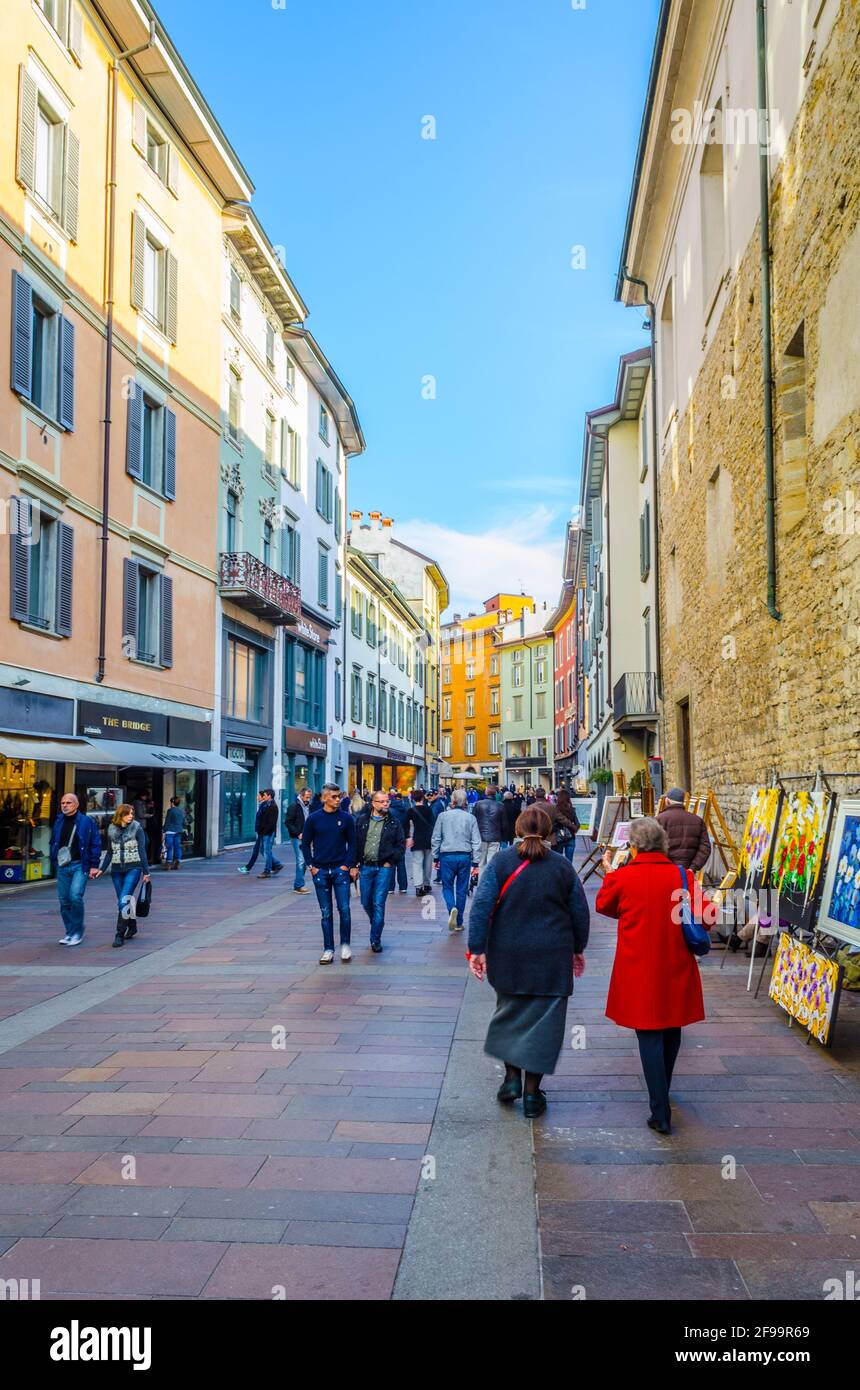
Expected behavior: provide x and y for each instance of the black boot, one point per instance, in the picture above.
(119, 939)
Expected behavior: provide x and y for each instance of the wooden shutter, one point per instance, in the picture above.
(71, 183)
(173, 170)
(169, 453)
(65, 565)
(138, 127)
(134, 433)
(66, 374)
(22, 335)
(320, 498)
(171, 301)
(323, 578)
(284, 438)
(297, 553)
(166, 621)
(76, 35)
(20, 528)
(27, 102)
(129, 602)
(138, 239)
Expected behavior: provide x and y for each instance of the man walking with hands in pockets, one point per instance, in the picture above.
(328, 845)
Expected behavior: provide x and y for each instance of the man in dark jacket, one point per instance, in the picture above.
(380, 846)
(492, 823)
(294, 822)
(75, 851)
(328, 844)
(419, 833)
(689, 842)
(401, 808)
(266, 826)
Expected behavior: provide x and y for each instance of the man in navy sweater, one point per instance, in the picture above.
(328, 845)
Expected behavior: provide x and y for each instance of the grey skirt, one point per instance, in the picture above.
(527, 1030)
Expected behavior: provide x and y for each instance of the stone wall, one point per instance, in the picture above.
(766, 694)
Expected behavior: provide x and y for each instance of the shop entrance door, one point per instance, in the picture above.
(191, 790)
(240, 802)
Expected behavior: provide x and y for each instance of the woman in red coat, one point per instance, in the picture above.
(655, 986)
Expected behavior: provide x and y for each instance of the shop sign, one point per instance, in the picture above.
(236, 755)
(118, 722)
(305, 741)
(310, 631)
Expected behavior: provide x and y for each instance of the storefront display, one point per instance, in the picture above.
(27, 809)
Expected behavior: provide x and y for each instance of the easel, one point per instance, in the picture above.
(593, 862)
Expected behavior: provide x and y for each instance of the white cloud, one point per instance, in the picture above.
(523, 554)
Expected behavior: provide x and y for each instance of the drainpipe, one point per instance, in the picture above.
(111, 250)
(766, 328)
(655, 440)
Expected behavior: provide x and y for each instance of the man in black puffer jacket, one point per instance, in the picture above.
(689, 842)
(489, 812)
(380, 846)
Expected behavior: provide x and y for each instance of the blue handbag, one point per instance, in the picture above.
(695, 934)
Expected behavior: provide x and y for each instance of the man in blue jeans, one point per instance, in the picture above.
(379, 847)
(265, 826)
(456, 847)
(328, 845)
(294, 821)
(75, 852)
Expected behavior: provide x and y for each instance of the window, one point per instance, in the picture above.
(371, 703)
(151, 442)
(271, 426)
(245, 681)
(324, 424)
(147, 614)
(338, 593)
(231, 523)
(645, 541)
(235, 295)
(470, 744)
(290, 378)
(383, 708)
(323, 576)
(291, 549)
(495, 701)
(234, 405)
(713, 210)
(446, 745)
(494, 742)
(304, 686)
(356, 696)
(470, 670)
(518, 706)
(401, 718)
(540, 705)
(494, 665)
(370, 614)
(517, 673)
(393, 712)
(792, 487)
(157, 150)
(409, 722)
(154, 278)
(338, 692)
(355, 612)
(470, 704)
(338, 518)
(325, 492)
(42, 559)
(270, 344)
(446, 675)
(267, 543)
(43, 354)
(48, 155)
(446, 707)
(540, 672)
(401, 651)
(290, 455)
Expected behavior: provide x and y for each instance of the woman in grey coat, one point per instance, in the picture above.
(528, 930)
(126, 858)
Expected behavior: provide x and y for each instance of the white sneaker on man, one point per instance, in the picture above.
(345, 953)
(327, 957)
(452, 919)
(64, 940)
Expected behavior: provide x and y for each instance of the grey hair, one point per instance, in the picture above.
(648, 835)
(459, 798)
(331, 787)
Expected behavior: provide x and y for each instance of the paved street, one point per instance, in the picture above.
(159, 1142)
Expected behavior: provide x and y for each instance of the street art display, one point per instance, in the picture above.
(621, 834)
(635, 807)
(611, 813)
(839, 915)
(586, 811)
(758, 836)
(798, 852)
(807, 985)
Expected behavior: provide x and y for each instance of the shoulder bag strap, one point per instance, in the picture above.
(509, 880)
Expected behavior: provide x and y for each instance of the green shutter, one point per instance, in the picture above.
(27, 102)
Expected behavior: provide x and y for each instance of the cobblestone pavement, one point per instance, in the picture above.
(155, 1144)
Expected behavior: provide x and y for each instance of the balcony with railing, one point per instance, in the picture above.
(253, 585)
(634, 700)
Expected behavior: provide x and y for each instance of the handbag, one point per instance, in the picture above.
(563, 835)
(695, 933)
(144, 899)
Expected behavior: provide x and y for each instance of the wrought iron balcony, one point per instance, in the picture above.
(254, 585)
(634, 699)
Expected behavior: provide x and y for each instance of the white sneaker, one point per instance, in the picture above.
(327, 957)
(63, 941)
(452, 919)
(74, 941)
(345, 953)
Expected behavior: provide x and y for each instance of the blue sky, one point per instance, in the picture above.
(450, 257)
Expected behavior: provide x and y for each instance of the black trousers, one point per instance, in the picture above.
(658, 1049)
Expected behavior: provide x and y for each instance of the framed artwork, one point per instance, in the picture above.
(619, 858)
(620, 835)
(612, 811)
(586, 811)
(807, 985)
(758, 836)
(798, 853)
(635, 807)
(839, 914)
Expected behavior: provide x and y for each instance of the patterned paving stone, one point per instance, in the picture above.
(308, 1273)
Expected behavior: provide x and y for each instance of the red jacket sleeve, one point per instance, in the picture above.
(608, 899)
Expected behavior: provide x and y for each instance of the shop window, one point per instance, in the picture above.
(27, 811)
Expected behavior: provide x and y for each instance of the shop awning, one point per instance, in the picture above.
(113, 753)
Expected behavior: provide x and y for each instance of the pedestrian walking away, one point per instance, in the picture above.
(528, 930)
(379, 847)
(294, 822)
(75, 851)
(566, 824)
(492, 823)
(174, 825)
(456, 848)
(126, 859)
(328, 845)
(419, 837)
(266, 826)
(655, 987)
(401, 808)
(689, 841)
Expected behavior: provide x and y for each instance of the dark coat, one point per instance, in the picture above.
(531, 936)
(89, 839)
(419, 827)
(295, 818)
(689, 842)
(392, 843)
(512, 812)
(266, 822)
(655, 978)
(491, 818)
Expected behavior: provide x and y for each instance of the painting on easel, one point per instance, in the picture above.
(758, 836)
(840, 900)
(798, 853)
(586, 813)
(807, 985)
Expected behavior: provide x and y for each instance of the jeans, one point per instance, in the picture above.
(658, 1049)
(258, 843)
(456, 869)
(267, 844)
(489, 850)
(173, 846)
(402, 879)
(124, 883)
(422, 867)
(374, 882)
(326, 880)
(71, 886)
(301, 865)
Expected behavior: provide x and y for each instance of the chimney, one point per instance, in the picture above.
(387, 521)
(356, 516)
(375, 516)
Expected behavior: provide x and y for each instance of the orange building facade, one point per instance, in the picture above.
(472, 688)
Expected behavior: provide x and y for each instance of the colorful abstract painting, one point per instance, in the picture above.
(758, 834)
(806, 985)
(800, 843)
(586, 809)
(840, 900)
